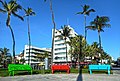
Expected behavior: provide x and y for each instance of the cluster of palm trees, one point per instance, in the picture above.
(79, 43)
(81, 51)
(95, 49)
(12, 7)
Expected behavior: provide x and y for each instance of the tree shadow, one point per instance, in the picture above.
(80, 78)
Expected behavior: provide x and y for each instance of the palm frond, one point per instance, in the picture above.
(106, 25)
(105, 19)
(80, 13)
(86, 7)
(29, 12)
(89, 11)
(93, 23)
(16, 15)
(59, 36)
(3, 11)
(12, 1)
(24, 9)
(32, 13)
(4, 4)
(25, 12)
(101, 30)
(65, 32)
(17, 7)
(11, 4)
(91, 27)
(85, 10)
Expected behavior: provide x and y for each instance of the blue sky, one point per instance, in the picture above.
(41, 24)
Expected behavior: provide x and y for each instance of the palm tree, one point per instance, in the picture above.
(22, 60)
(4, 51)
(98, 24)
(86, 12)
(11, 8)
(95, 51)
(29, 12)
(65, 33)
(95, 47)
(77, 50)
(71, 48)
(54, 27)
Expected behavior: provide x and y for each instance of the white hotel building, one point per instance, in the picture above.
(59, 52)
(34, 51)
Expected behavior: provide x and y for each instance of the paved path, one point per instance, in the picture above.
(63, 77)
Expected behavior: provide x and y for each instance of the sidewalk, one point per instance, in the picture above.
(63, 77)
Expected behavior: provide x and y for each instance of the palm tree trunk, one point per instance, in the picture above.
(66, 51)
(29, 40)
(79, 56)
(85, 28)
(99, 40)
(53, 21)
(71, 56)
(13, 43)
(99, 43)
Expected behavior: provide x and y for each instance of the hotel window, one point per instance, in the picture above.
(60, 49)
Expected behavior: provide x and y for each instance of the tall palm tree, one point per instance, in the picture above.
(98, 24)
(65, 33)
(29, 12)
(54, 27)
(86, 12)
(11, 8)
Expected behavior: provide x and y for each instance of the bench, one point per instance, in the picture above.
(99, 67)
(18, 67)
(60, 68)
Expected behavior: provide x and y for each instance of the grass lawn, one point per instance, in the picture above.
(4, 72)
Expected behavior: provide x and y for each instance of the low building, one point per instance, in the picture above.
(19, 58)
(37, 55)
